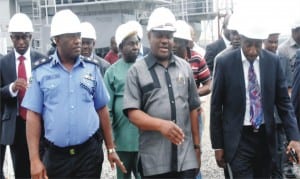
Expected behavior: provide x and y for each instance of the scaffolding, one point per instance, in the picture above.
(36, 19)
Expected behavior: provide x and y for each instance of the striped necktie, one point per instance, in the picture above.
(256, 113)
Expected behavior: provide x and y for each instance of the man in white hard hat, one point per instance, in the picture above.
(125, 133)
(143, 50)
(289, 47)
(88, 41)
(67, 92)
(161, 99)
(217, 46)
(182, 39)
(283, 166)
(15, 72)
(247, 84)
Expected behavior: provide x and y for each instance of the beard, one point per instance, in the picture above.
(130, 58)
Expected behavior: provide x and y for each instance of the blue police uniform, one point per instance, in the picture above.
(68, 102)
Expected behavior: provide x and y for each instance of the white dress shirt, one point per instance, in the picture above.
(246, 65)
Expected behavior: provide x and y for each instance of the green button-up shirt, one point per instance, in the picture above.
(125, 133)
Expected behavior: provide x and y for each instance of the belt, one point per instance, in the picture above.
(71, 150)
(251, 129)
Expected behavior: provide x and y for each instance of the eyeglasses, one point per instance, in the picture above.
(23, 36)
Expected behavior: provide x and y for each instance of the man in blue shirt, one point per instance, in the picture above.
(68, 93)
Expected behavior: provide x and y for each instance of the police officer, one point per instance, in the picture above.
(15, 72)
(68, 93)
(88, 41)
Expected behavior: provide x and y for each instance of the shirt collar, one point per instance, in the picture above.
(55, 60)
(26, 54)
(226, 41)
(244, 59)
(152, 61)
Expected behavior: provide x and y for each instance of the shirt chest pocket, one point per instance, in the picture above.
(88, 88)
(50, 90)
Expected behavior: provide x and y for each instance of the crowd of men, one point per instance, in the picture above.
(144, 103)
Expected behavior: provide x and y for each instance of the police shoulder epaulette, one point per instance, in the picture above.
(41, 62)
(91, 60)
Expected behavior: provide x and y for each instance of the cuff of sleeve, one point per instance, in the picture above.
(13, 94)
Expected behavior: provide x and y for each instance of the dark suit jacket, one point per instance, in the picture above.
(212, 51)
(228, 102)
(296, 87)
(10, 104)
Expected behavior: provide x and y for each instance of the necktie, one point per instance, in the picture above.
(21, 93)
(256, 114)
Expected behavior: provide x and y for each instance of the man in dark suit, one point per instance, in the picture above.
(296, 86)
(15, 72)
(248, 83)
(217, 46)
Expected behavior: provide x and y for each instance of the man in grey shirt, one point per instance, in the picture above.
(289, 47)
(161, 100)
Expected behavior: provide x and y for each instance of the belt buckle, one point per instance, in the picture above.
(255, 130)
(72, 151)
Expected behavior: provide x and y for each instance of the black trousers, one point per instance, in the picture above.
(252, 159)
(277, 170)
(19, 151)
(66, 163)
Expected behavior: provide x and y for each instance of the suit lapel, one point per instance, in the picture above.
(12, 66)
(262, 65)
(240, 75)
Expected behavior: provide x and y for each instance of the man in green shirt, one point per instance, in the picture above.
(125, 133)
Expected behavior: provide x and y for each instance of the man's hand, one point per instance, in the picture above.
(219, 155)
(114, 158)
(38, 170)
(172, 132)
(19, 84)
(294, 145)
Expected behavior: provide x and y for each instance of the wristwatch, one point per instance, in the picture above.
(197, 146)
(110, 151)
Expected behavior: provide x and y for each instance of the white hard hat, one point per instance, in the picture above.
(137, 26)
(183, 30)
(255, 28)
(296, 23)
(254, 32)
(234, 22)
(123, 31)
(64, 22)
(161, 19)
(87, 30)
(20, 23)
